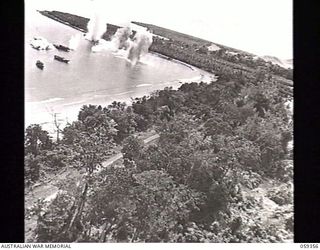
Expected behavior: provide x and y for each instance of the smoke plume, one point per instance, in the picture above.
(121, 38)
(96, 26)
(104, 45)
(139, 46)
(74, 42)
(120, 42)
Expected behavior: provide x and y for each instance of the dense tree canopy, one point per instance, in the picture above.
(36, 139)
(217, 142)
(220, 171)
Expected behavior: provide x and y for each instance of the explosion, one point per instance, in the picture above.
(96, 25)
(121, 41)
(139, 46)
(74, 42)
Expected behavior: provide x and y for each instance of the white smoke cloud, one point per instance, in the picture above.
(121, 38)
(104, 45)
(122, 46)
(74, 42)
(40, 43)
(139, 46)
(120, 42)
(97, 24)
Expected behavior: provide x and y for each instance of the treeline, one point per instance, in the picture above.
(190, 49)
(201, 46)
(93, 136)
(216, 140)
(80, 23)
(220, 62)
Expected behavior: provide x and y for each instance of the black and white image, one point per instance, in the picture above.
(158, 121)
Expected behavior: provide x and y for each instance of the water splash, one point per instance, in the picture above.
(74, 42)
(96, 25)
(104, 45)
(139, 46)
(121, 39)
(40, 43)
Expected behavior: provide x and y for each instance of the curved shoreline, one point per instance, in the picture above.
(71, 110)
(68, 111)
(48, 15)
(174, 60)
(42, 113)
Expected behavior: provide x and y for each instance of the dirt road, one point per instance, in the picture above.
(49, 190)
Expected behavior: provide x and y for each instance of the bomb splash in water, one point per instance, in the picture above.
(139, 46)
(74, 42)
(96, 25)
(96, 28)
(120, 42)
(121, 39)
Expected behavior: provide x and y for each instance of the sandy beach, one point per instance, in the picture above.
(66, 112)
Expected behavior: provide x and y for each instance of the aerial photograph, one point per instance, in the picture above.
(158, 121)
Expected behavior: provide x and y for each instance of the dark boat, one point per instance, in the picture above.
(40, 64)
(61, 59)
(61, 47)
(35, 47)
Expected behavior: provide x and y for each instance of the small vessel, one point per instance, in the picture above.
(61, 47)
(61, 59)
(40, 47)
(35, 47)
(40, 43)
(38, 38)
(40, 65)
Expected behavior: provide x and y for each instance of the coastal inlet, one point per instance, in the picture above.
(98, 77)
